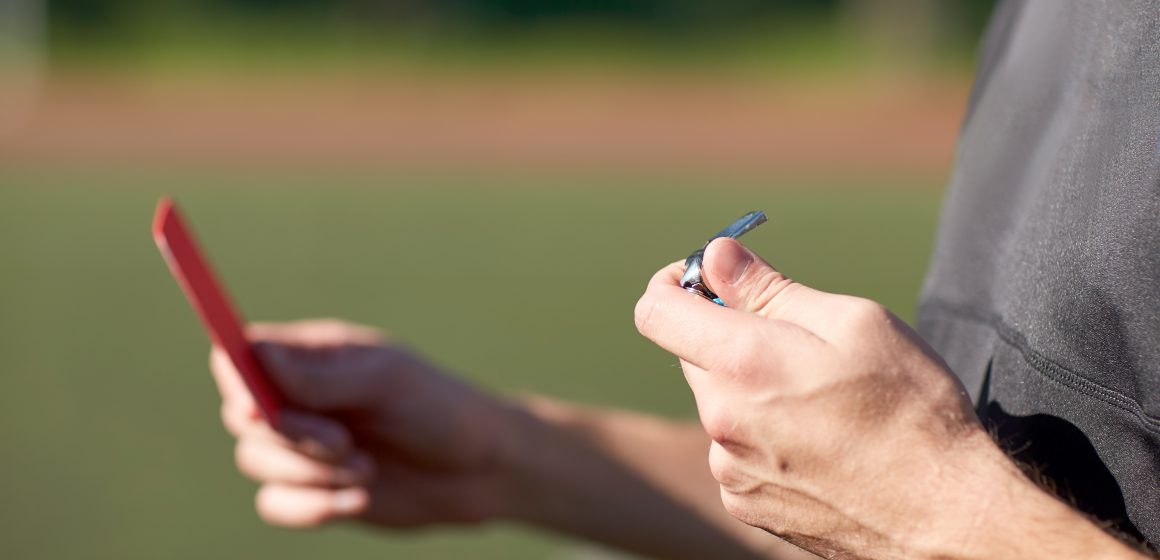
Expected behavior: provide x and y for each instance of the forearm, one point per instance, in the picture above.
(991, 510)
(633, 481)
(1053, 530)
(641, 483)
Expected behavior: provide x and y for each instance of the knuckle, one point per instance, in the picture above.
(766, 290)
(271, 509)
(720, 425)
(331, 329)
(315, 473)
(340, 330)
(864, 313)
(721, 465)
(327, 443)
(264, 506)
(747, 356)
(328, 324)
(643, 313)
(316, 330)
(716, 427)
(244, 458)
(230, 420)
(318, 437)
(319, 475)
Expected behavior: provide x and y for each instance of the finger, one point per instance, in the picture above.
(342, 378)
(241, 420)
(680, 321)
(229, 382)
(239, 411)
(703, 386)
(314, 333)
(317, 436)
(318, 363)
(717, 399)
(313, 435)
(746, 282)
(701, 332)
(707, 388)
(298, 506)
(723, 465)
(265, 461)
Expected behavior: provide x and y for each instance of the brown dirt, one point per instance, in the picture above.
(677, 124)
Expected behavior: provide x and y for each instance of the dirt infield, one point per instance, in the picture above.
(678, 124)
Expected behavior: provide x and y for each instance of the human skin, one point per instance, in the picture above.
(825, 419)
(375, 433)
(837, 428)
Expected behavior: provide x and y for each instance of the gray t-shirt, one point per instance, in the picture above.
(1044, 290)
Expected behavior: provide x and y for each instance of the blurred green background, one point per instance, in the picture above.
(519, 275)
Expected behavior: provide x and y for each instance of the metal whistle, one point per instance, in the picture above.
(691, 280)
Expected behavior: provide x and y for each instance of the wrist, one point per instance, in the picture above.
(518, 458)
(992, 510)
(532, 458)
(1036, 524)
(498, 453)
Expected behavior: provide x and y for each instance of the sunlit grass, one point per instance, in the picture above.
(108, 417)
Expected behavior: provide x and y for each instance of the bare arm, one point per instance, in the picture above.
(836, 427)
(377, 434)
(634, 481)
(641, 483)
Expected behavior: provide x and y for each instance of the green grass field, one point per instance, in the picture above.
(109, 420)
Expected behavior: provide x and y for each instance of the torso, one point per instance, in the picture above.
(1044, 290)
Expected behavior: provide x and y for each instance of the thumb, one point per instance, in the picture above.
(320, 380)
(746, 282)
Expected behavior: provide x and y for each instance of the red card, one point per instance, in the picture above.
(212, 304)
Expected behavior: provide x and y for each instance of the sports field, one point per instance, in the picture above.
(499, 211)
(108, 417)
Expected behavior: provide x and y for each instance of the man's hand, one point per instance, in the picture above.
(836, 427)
(374, 432)
(371, 431)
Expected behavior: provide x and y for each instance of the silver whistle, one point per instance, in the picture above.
(691, 280)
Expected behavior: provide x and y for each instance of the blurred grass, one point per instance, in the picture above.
(108, 417)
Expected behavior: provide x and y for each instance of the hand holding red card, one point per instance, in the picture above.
(213, 306)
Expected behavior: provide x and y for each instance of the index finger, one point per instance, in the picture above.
(314, 334)
(229, 382)
(690, 326)
(239, 409)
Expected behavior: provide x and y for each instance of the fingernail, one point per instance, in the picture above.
(741, 258)
(349, 501)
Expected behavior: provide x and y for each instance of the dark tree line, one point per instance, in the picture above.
(111, 14)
